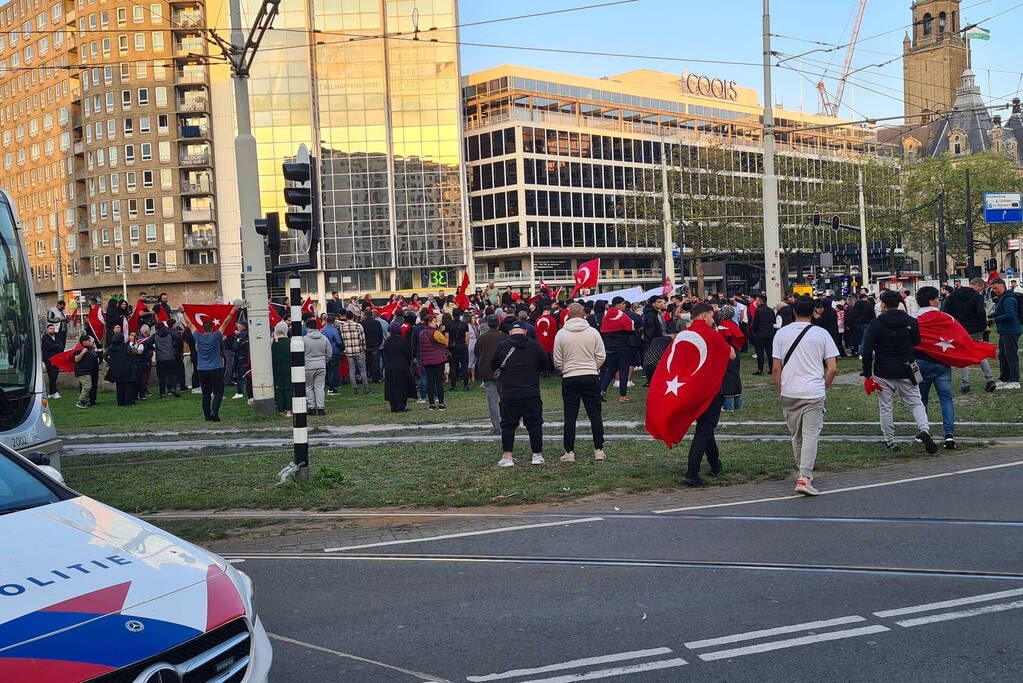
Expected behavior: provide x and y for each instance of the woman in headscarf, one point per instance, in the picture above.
(399, 382)
(121, 367)
(280, 356)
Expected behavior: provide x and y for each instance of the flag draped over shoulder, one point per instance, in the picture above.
(946, 341)
(136, 315)
(616, 321)
(732, 334)
(546, 329)
(197, 314)
(686, 381)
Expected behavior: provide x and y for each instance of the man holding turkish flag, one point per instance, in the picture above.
(461, 300)
(944, 344)
(220, 315)
(586, 276)
(546, 330)
(686, 387)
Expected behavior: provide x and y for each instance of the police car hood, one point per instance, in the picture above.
(82, 583)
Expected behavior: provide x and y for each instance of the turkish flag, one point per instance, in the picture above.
(461, 300)
(136, 315)
(563, 316)
(161, 314)
(96, 322)
(65, 362)
(616, 320)
(586, 276)
(668, 287)
(197, 314)
(275, 315)
(732, 334)
(946, 341)
(546, 329)
(686, 381)
(308, 306)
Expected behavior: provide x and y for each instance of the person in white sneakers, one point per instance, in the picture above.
(517, 364)
(804, 367)
(578, 354)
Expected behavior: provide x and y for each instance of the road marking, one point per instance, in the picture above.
(608, 673)
(949, 616)
(986, 597)
(754, 635)
(464, 534)
(847, 488)
(792, 642)
(421, 676)
(572, 664)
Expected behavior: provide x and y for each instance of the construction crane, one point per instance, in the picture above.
(829, 107)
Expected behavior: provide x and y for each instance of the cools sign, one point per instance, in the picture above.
(705, 86)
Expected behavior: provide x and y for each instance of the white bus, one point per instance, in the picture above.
(26, 423)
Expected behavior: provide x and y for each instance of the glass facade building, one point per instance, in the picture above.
(383, 117)
(556, 163)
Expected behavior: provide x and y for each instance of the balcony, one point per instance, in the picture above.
(186, 20)
(196, 215)
(197, 132)
(79, 148)
(196, 159)
(200, 242)
(194, 104)
(201, 185)
(191, 77)
(84, 250)
(189, 47)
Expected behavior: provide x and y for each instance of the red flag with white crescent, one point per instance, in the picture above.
(668, 287)
(308, 306)
(616, 320)
(136, 315)
(275, 315)
(96, 322)
(198, 314)
(686, 382)
(586, 276)
(65, 361)
(732, 334)
(546, 329)
(946, 341)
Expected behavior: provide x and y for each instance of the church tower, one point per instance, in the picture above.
(934, 59)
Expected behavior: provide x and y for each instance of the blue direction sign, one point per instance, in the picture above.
(1003, 207)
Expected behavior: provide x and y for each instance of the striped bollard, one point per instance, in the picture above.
(299, 467)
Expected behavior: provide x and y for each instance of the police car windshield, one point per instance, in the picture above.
(19, 490)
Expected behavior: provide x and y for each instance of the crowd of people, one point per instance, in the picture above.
(422, 347)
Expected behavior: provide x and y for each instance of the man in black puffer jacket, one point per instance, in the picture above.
(888, 350)
(966, 304)
(519, 361)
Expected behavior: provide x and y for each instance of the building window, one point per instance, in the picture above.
(151, 232)
(928, 24)
(147, 178)
(138, 14)
(150, 204)
(143, 97)
(147, 151)
(152, 260)
(136, 262)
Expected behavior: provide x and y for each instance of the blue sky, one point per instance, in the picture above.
(730, 30)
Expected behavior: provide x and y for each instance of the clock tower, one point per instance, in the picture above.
(935, 56)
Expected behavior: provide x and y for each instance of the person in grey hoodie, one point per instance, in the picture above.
(163, 342)
(317, 354)
(579, 353)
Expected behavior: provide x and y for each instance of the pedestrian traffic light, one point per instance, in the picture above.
(270, 228)
(836, 222)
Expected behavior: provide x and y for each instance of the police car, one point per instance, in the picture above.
(88, 593)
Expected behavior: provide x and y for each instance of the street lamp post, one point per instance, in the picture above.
(772, 247)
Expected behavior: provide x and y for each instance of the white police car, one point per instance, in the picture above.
(88, 593)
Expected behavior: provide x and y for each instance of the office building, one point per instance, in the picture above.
(108, 103)
(383, 117)
(555, 160)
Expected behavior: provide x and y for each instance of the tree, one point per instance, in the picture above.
(989, 172)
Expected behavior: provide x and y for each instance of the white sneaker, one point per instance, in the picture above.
(251, 401)
(599, 454)
(505, 462)
(57, 395)
(196, 391)
(568, 457)
(1008, 385)
(631, 384)
(238, 396)
(537, 459)
(804, 486)
(1001, 385)
(422, 400)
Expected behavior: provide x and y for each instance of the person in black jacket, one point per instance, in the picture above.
(458, 333)
(856, 321)
(966, 304)
(523, 362)
(121, 367)
(374, 340)
(654, 325)
(888, 351)
(827, 317)
(785, 312)
(762, 333)
(87, 371)
(51, 345)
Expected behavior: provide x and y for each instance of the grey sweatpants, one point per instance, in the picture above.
(985, 366)
(494, 404)
(910, 395)
(805, 419)
(314, 381)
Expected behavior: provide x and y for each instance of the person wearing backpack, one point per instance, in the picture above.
(888, 351)
(803, 367)
(1006, 315)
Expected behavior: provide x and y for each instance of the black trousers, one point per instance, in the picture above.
(530, 412)
(585, 388)
(459, 366)
(51, 378)
(164, 373)
(95, 386)
(212, 383)
(435, 382)
(703, 438)
(618, 360)
(373, 364)
(762, 346)
(1008, 357)
(126, 393)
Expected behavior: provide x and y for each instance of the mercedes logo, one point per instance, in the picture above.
(159, 673)
(134, 626)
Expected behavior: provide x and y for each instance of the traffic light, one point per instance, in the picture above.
(992, 265)
(816, 219)
(302, 194)
(836, 222)
(270, 228)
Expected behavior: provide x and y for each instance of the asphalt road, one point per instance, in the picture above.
(919, 581)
